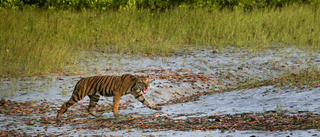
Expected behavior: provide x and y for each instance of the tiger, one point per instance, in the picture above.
(115, 86)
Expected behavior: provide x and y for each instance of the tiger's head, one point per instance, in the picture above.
(142, 83)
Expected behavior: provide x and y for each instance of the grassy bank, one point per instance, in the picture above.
(35, 42)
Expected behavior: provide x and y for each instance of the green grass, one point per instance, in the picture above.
(38, 42)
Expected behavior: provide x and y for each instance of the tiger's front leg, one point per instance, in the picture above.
(144, 101)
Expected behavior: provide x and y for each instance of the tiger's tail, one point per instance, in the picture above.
(78, 94)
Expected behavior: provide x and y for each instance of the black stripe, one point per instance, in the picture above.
(75, 97)
(99, 82)
(104, 85)
(134, 84)
(87, 85)
(138, 96)
(109, 86)
(143, 100)
(113, 85)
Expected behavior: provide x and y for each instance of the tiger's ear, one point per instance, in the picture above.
(146, 78)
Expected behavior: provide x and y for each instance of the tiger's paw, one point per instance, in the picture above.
(58, 119)
(157, 108)
(95, 114)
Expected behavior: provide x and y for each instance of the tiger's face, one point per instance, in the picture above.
(143, 84)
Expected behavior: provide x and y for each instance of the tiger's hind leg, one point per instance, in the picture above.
(93, 102)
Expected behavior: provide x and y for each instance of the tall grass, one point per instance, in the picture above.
(36, 41)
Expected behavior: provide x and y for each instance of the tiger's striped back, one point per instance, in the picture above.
(104, 85)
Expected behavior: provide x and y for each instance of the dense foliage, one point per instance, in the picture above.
(149, 4)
